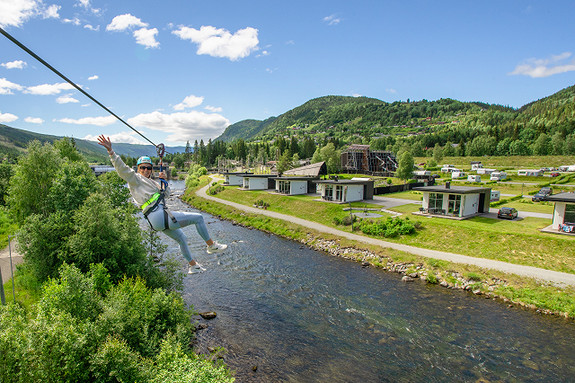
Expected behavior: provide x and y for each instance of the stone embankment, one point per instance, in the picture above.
(415, 271)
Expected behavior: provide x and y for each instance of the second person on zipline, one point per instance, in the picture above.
(149, 195)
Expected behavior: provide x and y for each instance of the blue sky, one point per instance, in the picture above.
(181, 70)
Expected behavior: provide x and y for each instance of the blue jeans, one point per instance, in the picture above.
(156, 219)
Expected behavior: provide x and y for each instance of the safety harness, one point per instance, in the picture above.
(159, 197)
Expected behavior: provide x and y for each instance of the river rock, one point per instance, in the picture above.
(208, 315)
(407, 279)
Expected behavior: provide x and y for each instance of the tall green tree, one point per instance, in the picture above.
(33, 177)
(405, 169)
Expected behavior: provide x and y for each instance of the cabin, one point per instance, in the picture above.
(563, 212)
(234, 178)
(343, 191)
(294, 185)
(454, 201)
(530, 172)
(258, 181)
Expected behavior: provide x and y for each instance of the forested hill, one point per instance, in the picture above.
(348, 117)
(13, 142)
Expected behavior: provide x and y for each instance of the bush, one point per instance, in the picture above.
(388, 228)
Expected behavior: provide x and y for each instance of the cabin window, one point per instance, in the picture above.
(454, 204)
(569, 213)
(435, 201)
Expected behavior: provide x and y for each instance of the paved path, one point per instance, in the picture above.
(554, 277)
(5, 262)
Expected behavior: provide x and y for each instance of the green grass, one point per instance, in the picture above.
(518, 241)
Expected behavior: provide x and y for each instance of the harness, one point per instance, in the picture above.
(159, 197)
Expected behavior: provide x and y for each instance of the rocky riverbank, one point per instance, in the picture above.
(413, 271)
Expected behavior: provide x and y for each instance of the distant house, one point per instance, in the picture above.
(101, 169)
(456, 201)
(356, 189)
(563, 212)
(235, 178)
(258, 181)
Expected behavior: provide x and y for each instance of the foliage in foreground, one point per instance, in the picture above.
(85, 329)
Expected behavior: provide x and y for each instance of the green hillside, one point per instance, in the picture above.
(542, 127)
(14, 141)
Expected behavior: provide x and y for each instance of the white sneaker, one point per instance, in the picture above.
(196, 269)
(216, 248)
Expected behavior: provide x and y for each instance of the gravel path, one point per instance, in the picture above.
(555, 277)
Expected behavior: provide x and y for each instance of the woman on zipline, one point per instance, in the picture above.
(149, 195)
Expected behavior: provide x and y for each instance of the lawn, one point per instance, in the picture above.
(518, 241)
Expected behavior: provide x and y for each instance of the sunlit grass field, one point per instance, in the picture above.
(518, 241)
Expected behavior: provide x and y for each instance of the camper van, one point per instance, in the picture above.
(495, 195)
(498, 176)
(476, 165)
(530, 172)
(485, 171)
(473, 178)
(456, 175)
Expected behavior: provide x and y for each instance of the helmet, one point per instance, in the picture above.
(144, 160)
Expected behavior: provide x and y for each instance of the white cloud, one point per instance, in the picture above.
(92, 28)
(94, 77)
(34, 120)
(332, 20)
(220, 42)
(66, 99)
(17, 64)
(143, 35)
(123, 22)
(124, 137)
(7, 117)
(48, 89)
(51, 12)
(213, 108)
(183, 126)
(6, 87)
(16, 12)
(75, 21)
(147, 37)
(189, 102)
(391, 90)
(537, 68)
(97, 121)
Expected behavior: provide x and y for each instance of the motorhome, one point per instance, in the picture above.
(530, 172)
(473, 178)
(498, 176)
(458, 174)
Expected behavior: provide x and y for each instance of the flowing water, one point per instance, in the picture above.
(300, 315)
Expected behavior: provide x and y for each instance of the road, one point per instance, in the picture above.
(555, 277)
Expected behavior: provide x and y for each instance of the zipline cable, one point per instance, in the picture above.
(31, 53)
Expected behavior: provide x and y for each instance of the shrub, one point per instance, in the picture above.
(388, 228)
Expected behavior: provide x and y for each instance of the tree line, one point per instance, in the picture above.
(106, 303)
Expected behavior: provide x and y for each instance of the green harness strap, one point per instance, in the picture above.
(154, 198)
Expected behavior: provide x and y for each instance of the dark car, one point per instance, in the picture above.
(555, 174)
(542, 194)
(507, 212)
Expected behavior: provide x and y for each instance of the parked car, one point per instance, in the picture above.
(555, 174)
(542, 194)
(507, 212)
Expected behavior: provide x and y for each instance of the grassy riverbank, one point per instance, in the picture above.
(516, 242)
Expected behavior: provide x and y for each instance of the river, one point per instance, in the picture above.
(300, 315)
